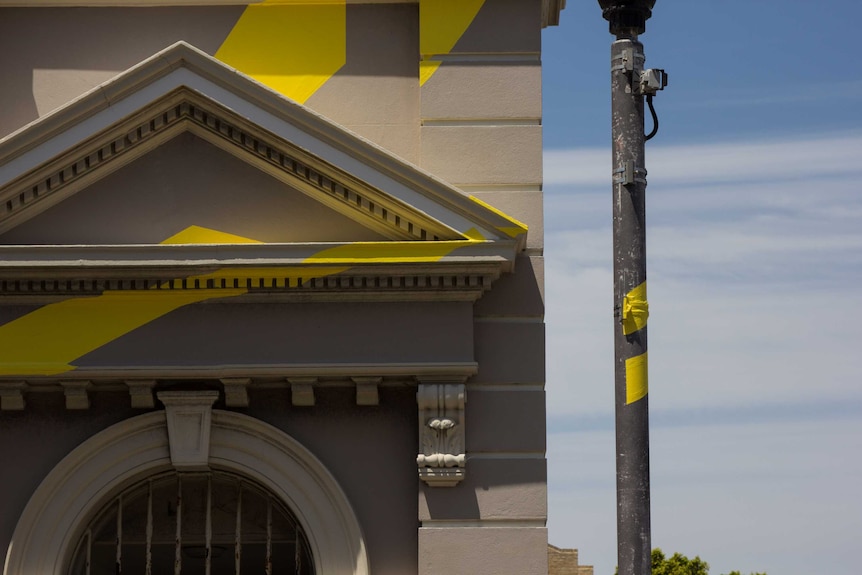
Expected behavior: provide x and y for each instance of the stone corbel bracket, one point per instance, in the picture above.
(442, 457)
(12, 395)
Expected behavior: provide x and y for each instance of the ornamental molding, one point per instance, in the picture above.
(37, 279)
(298, 382)
(138, 448)
(186, 110)
(441, 244)
(184, 89)
(442, 456)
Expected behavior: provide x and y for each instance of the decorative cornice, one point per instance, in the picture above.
(186, 110)
(401, 283)
(300, 381)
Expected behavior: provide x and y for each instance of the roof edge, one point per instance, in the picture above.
(551, 12)
(181, 54)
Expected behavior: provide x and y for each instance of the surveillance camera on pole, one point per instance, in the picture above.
(631, 84)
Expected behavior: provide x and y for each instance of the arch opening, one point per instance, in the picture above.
(75, 493)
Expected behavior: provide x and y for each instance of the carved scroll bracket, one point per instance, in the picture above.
(442, 457)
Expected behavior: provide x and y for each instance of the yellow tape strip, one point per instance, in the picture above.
(441, 25)
(292, 47)
(635, 310)
(637, 380)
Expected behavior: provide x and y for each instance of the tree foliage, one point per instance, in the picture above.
(679, 564)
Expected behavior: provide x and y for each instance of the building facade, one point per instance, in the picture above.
(271, 287)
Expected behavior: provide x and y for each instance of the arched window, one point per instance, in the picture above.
(214, 523)
(75, 510)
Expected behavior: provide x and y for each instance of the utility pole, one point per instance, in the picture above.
(630, 84)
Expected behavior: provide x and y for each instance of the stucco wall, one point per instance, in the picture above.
(476, 123)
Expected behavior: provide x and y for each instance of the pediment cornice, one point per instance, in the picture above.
(250, 272)
(186, 110)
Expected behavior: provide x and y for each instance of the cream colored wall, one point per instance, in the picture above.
(51, 56)
(481, 130)
(376, 93)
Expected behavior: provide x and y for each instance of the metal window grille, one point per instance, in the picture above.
(204, 523)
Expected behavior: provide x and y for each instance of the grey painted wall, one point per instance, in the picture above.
(380, 482)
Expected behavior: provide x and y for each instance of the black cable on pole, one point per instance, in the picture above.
(654, 118)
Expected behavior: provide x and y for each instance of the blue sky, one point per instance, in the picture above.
(754, 261)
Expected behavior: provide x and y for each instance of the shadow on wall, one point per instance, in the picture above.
(106, 41)
(75, 49)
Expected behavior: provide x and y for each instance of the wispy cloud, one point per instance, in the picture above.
(717, 163)
(720, 415)
(755, 258)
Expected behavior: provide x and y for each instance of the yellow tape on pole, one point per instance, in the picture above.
(637, 384)
(635, 310)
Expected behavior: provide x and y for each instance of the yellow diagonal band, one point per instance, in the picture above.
(292, 47)
(637, 380)
(46, 341)
(635, 310)
(441, 25)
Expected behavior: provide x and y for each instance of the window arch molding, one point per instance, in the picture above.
(130, 451)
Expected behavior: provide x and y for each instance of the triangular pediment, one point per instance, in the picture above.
(187, 182)
(182, 141)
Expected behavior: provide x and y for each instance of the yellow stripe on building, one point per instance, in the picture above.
(292, 46)
(637, 378)
(441, 25)
(201, 235)
(47, 340)
(388, 252)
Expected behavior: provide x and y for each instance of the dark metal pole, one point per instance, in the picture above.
(627, 19)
